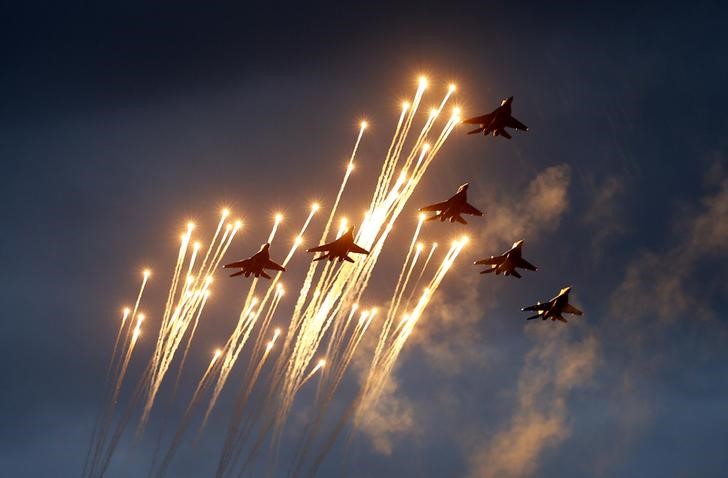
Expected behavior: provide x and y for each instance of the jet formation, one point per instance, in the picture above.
(453, 208)
(497, 121)
(255, 264)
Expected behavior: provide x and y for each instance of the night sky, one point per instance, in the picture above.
(121, 122)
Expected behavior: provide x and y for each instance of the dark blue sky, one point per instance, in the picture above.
(120, 122)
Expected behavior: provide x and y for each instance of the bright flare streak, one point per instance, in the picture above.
(176, 324)
(390, 161)
(273, 231)
(422, 272)
(382, 366)
(321, 364)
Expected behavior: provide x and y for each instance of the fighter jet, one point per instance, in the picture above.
(554, 308)
(340, 248)
(453, 207)
(255, 264)
(507, 262)
(497, 121)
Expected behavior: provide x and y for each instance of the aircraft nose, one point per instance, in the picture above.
(464, 187)
(518, 243)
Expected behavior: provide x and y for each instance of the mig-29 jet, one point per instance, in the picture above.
(497, 121)
(554, 307)
(340, 248)
(507, 262)
(453, 208)
(255, 264)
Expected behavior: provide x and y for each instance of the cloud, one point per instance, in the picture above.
(659, 288)
(390, 417)
(602, 213)
(553, 368)
(539, 208)
(661, 284)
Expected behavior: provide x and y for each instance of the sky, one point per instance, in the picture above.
(121, 122)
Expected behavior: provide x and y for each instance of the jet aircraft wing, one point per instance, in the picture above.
(537, 307)
(468, 209)
(570, 309)
(494, 260)
(358, 250)
(242, 263)
(514, 123)
(440, 206)
(524, 264)
(485, 119)
(275, 266)
(322, 248)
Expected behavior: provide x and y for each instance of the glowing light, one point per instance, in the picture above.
(451, 87)
(422, 81)
(321, 363)
(279, 217)
(190, 226)
(464, 240)
(420, 246)
(422, 216)
(405, 105)
(315, 206)
(225, 212)
(238, 224)
(146, 273)
(197, 245)
(364, 125)
(433, 112)
(426, 147)
(456, 111)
